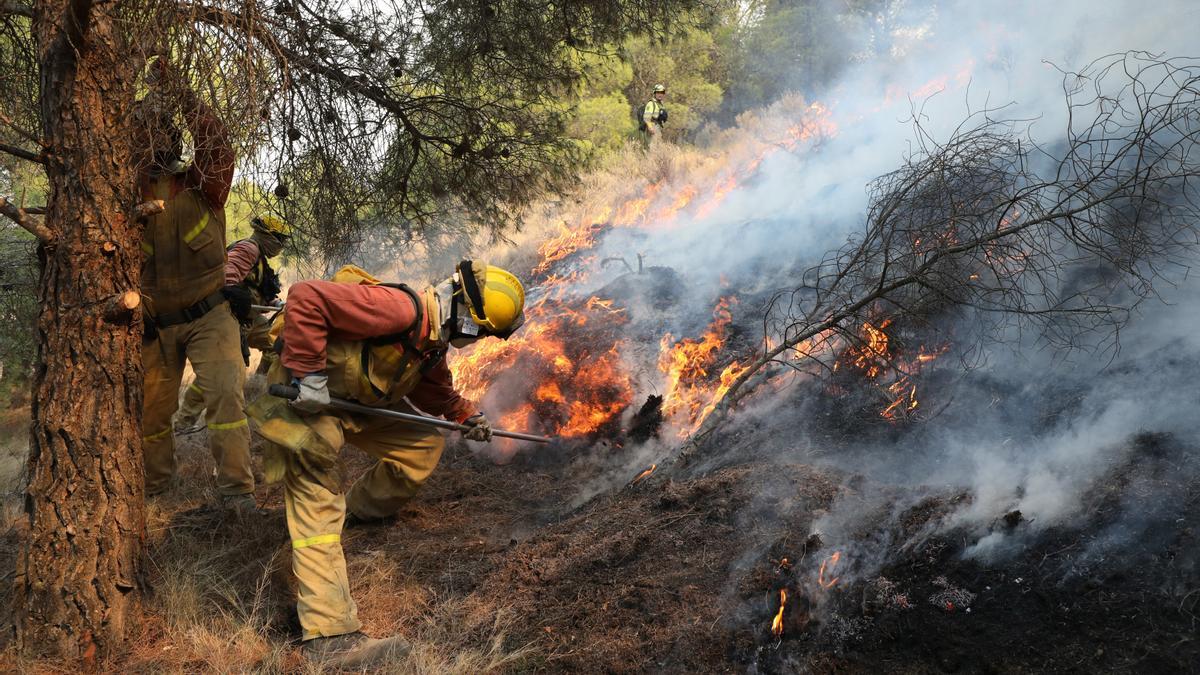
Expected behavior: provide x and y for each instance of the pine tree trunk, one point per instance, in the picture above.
(79, 565)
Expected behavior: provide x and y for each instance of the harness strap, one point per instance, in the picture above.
(404, 339)
(471, 287)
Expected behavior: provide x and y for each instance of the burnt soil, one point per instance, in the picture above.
(681, 571)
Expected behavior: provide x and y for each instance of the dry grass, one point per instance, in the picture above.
(220, 598)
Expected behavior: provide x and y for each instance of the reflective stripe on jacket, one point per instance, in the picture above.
(183, 247)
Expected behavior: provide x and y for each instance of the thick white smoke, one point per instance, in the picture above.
(944, 61)
(1031, 429)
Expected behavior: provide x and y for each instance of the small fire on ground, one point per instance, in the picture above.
(891, 372)
(777, 623)
(645, 474)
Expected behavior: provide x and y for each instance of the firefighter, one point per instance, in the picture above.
(654, 114)
(183, 280)
(247, 269)
(382, 346)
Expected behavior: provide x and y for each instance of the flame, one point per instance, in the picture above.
(549, 391)
(569, 241)
(686, 365)
(573, 389)
(777, 622)
(568, 359)
(829, 565)
(644, 474)
(720, 191)
(893, 374)
(634, 210)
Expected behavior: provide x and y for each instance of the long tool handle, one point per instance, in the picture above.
(290, 393)
(266, 308)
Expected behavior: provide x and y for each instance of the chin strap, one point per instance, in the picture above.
(470, 287)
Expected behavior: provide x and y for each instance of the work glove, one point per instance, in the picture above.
(240, 301)
(314, 393)
(481, 429)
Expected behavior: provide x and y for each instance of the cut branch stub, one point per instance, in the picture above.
(150, 208)
(120, 308)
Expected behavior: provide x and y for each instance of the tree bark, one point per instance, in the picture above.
(79, 565)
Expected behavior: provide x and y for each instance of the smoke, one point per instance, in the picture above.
(1029, 429)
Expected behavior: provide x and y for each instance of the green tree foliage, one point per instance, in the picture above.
(18, 308)
(18, 282)
(774, 47)
(601, 121)
(689, 65)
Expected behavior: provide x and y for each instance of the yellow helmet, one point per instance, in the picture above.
(495, 298)
(271, 225)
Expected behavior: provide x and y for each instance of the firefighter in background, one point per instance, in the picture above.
(183, 281)
(248, 269)
(654, 114)
(382, 346)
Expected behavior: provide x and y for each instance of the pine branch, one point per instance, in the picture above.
(14, 8)
(21, 153)
(19, 216)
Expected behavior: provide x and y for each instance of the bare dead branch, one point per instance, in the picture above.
(22, 153)
(21, 217)
(969, 228)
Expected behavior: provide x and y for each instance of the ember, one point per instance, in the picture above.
(889, 371)
(827, 567)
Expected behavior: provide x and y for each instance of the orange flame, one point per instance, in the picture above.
(569, 241)
(874, 357)
(686, 364)
(634, 210)
(644, 474)
(830, 564)
(573, 391)
(777, 623)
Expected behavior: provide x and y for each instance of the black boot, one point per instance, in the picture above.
(353, 520)
(354, 650)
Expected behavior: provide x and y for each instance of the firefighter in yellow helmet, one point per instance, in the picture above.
(654, 114)
(183, 280)
(384, 346)
(249, 280)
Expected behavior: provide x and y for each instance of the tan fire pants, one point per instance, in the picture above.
(407, 455)
(258, 337)
(211, 343)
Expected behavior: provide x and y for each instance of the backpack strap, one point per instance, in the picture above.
(405, 338)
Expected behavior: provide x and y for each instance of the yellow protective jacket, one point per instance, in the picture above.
(183, 247)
